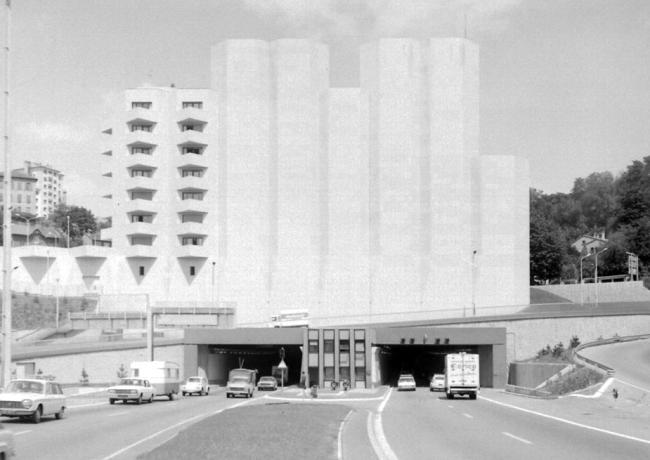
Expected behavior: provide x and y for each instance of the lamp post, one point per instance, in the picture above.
(212, 296)
(57, 304)
(68, 219)
(596, 273)
(581, 279)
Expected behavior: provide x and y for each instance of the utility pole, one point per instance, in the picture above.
(6, 237)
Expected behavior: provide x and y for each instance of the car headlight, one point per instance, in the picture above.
(27, 403)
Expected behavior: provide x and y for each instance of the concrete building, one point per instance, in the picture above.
(23, 192)
(271, 191)
(49, 192)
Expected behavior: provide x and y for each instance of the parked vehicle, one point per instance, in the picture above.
(195, 385)
(437, 382)
(131, 389)
(406, 382)
(7, 443)
(164, 376)
(267, 382)
(32, 398)
(462, 374)
(241, 382)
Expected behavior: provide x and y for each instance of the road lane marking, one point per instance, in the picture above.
(376, 432)
(340, 436)
(176, 425)
(525, 441)
(22, 432)
(468, 415)
(600, 391)
(568, 422)
(451, 407)
(633, 386)
(118, 414)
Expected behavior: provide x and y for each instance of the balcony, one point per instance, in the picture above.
(141, 251)
(191, 252)
(140, 182)
(142, 228)
(192, 160)
(202, 206)
(191, 137)
(192, 182)
(147, 206)
(191, 113)
(190, 228)
(139, 113)
(141, 137)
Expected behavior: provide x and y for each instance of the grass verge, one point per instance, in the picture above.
(271, 432)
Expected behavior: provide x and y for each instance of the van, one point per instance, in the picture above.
(164, 376)
(241, 382)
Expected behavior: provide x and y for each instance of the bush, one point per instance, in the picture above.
(579, 379)
(575, 341)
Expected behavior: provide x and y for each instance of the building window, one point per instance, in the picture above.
(192, 105)
(192, 217)
(192, 270)
(141, 270)
(141, 150)
(192, 241)
(192, 150)
(145, 128)
(147, 218)
(140, 105)
(142, 195)
(192, 196)
(141, 173)
(141, 241)
(192, 173)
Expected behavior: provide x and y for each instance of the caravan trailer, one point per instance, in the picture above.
(164, 376)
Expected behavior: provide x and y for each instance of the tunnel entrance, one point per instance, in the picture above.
(422, 361)
(220, 359)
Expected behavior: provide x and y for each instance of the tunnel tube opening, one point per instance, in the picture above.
(422, 361)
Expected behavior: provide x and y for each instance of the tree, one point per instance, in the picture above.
(546, 247)
(82, 221)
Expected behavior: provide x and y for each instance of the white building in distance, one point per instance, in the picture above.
(271, 191)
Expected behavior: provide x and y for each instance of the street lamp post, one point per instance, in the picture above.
(68, 219)
(57, 304)
(582, 279)
(596, 273)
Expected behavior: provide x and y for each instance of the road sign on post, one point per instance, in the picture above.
(283, 367)
(633, 266)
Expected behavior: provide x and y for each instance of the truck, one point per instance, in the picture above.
(241, 382)
(462, 374)
(164, 376)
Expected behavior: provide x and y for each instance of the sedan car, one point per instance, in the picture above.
(437, 382)
(131, 389)
(195, 385)
(32, 398)
(267, 383)
(406, 382)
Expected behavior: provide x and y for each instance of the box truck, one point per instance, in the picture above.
(462, 374)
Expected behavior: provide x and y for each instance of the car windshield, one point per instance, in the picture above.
(267, 379)
(194, 379)
(23, 386)
(439, 377)
(131, 382)
(406, 379)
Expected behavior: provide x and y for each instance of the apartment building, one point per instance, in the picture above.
(49, 191)
(23, 192)
(272, 191)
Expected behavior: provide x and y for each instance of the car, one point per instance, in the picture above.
(437, 382)
(195, 385)
(7, 443)
(33, 399)
(267, 382)
(131, 389)
(406, 382)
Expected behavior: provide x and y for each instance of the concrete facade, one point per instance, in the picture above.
(271, 191)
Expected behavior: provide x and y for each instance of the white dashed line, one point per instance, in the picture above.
(340, 435)
(468, 415)
(525, 441)
(117, 414)
(22, 432)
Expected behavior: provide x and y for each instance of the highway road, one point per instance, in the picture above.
(97, 430)
(421, 425)
(631, 360)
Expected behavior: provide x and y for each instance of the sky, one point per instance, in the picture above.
(563, 83)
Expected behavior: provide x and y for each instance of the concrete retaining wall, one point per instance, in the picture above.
(530, 375)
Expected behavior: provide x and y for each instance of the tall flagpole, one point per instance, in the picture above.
(6, 227)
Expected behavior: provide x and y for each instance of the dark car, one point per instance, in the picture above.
(267, 383)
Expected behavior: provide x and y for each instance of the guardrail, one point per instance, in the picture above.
(579, 359)
(532, 392)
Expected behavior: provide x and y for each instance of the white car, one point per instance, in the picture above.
(131, 389)
(32, 398)
(406, 382)
(437, 382)
(198, 385)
